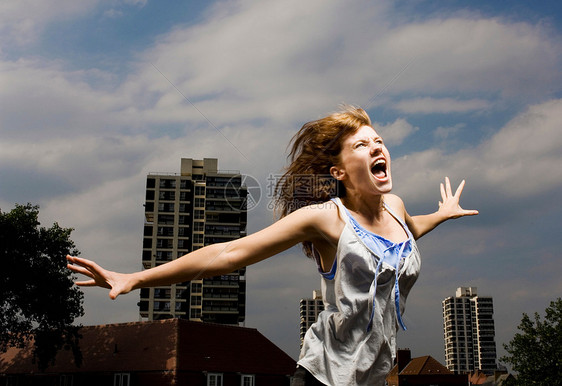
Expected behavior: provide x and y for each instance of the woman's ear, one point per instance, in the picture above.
(337, 173)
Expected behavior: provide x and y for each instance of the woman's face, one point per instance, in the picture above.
(364, 163)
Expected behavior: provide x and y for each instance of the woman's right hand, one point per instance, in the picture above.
(117, 283)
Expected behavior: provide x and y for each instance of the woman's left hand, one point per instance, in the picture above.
(449, 206)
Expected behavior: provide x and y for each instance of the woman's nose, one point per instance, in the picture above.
(375, 148)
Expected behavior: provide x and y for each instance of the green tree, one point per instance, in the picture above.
(38, 300)
(535, 353)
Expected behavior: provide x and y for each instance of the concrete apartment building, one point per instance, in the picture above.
(309, 310)
(185, 211)
(468, 327)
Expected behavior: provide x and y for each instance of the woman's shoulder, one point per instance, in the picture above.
(326, 220)
(321, 214)
(326, 208)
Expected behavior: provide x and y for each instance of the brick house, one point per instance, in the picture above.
(164, 352)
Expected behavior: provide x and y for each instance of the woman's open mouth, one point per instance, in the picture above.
(379, 169)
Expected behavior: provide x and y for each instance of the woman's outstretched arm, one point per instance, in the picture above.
(209, 261)
(449, 208)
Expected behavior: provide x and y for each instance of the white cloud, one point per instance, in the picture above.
(44, 99)
(443, 132)
(394, 133)
(113, 13)
(474, 55)
(239, 65)
(137, 3)
(21, 21)
(428, 105)
(521, 160)
(242, 64)
(524, 157)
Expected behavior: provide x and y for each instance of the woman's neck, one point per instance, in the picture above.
(371, 207)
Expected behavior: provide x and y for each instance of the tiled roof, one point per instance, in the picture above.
(478, 378)
(172, 344)
(216, 347)
(425, 365)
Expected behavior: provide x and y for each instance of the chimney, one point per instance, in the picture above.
(403, 357)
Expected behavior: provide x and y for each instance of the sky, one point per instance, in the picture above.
(94, 95)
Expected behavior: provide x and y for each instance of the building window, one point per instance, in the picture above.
(164, 255)
(168, 184)
(247, 380)
(121, 379)
(162, 293)
(163, 207)
(214, 379)
(167, 195)
(199, 190)
(161, 306)
(167, 219)
(195, 313)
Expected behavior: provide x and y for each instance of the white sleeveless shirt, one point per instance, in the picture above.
(353, 341)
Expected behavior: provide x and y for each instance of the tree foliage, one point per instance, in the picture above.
(38, 300)
(535, 353)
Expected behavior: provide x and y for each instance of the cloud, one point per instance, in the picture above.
(239, 66)
(443, 132)
(22, 21)
(394, 133)
(113, 13)
(471, 54)
(137, 3)
(524, 157)
(519, 161)
(44, 100)
(429, 105)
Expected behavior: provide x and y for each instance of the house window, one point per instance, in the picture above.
(214, 379)
(66, 380)
(247, 380)
(121, 379)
